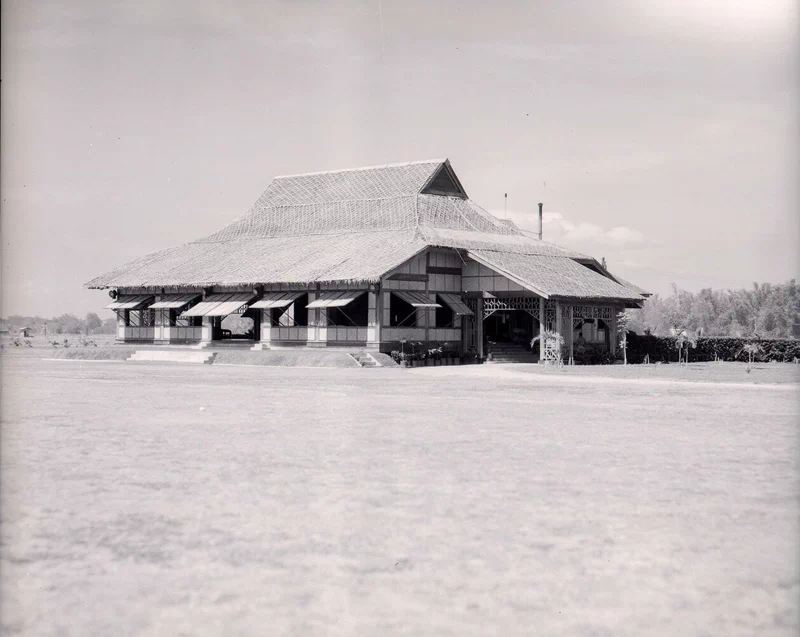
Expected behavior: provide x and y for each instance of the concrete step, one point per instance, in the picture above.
(365, 360)
(173, 356)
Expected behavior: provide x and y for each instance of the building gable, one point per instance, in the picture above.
(444, 182)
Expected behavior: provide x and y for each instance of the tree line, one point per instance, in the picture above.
(64, 324)
(766, 310)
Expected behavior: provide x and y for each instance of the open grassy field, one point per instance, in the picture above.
(437, 501)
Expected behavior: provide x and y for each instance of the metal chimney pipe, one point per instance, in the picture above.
(541, 205)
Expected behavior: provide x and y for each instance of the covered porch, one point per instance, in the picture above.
(519, 318)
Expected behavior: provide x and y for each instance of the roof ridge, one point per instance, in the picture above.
(337, 233)
(328, 202)
(377, 167)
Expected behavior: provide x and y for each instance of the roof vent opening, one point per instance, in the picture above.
(445, 183)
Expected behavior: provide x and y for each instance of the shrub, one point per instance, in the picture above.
(662, 348)
(592, 354)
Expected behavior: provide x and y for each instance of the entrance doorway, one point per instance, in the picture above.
(238, 327)
(510, 326)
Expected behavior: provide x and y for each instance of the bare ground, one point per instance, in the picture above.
(448, 501)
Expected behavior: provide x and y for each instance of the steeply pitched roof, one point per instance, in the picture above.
(553, 276)
(355, 184)
(354, 225)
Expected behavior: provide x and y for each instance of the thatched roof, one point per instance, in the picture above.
(357, 225)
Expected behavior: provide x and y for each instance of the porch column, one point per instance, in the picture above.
(373, 319)
(121, 324)
(322, 325)
(571, 331)
(161, 327)
(266, 328)
(559, 321)
(312, 330)
(612, 328)
(207, 329)
(541, 328)
(479, 326)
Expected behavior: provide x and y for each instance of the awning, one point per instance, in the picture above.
(335, 299)
(220, 304)
(129, 302)
(174, 301)
(416, 299)
(456, 304)
(276, 299)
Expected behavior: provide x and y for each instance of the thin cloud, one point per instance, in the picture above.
(559, 228)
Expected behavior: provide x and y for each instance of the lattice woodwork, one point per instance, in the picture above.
(528, 304)
(550, 316)
(593, 311)
(566, 315)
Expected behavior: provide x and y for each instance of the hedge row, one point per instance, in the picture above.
(662, 348)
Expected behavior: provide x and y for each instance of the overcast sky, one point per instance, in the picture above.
(661, 135)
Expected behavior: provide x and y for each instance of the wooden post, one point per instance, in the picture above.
(426, 312)
(558, 323)
(479, 327)
(612, 328)
(121, 321)
(374, 318)
(207, 329)
(541, 328)
(571, 332)
(266, 328)
(312, 330)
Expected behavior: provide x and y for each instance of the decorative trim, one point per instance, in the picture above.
(529, 304)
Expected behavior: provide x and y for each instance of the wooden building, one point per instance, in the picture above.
(368, 257)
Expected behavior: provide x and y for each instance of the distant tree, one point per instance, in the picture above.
(772, 310)
(93, 324)
(624, 320)
(68, 324)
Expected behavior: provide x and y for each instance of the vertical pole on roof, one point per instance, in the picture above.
(541, 227)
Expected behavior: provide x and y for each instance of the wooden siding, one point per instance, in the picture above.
(476, 278)
(138, 333)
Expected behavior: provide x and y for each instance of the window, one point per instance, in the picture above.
(141, 318)
(294, 314)
(402, 314)
(445, 317)
(354, 314)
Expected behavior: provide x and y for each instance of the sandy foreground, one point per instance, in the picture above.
(446, 501)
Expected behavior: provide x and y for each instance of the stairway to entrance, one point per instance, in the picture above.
(227, 345)
(365, 360)
(511, 353)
